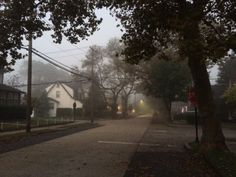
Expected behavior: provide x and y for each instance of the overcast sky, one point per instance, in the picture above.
(72, 54)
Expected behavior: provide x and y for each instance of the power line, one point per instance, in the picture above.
(55, 60)
(67, 50)
(48, 83)
(56, 63)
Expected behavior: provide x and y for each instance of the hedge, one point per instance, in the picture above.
(68, 112)
(11, 113)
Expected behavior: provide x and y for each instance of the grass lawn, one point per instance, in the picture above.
(223, 162)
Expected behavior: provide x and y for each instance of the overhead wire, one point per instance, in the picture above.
(67, 50)
(47, 83)
(57, 63)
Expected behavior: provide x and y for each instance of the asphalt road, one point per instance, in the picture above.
(100, 152)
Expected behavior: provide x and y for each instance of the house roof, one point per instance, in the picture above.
(61, 84)
(4, 87)
(53, 100)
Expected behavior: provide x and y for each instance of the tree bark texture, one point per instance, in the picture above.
(212, 135)
(114, 106)
(125, 106)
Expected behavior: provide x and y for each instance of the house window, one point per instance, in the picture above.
(57, 94)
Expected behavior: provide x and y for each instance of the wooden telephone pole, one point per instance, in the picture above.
(29, 84)
(92, 88)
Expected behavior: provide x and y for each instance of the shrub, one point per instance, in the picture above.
(188, 116)
(11, 113)
(68, 112)
(64, 112)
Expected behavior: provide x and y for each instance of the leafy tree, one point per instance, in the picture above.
(18, 18)
(41, 106)
(227, 71)
(230, 99)
(79, 84)
(120, 78)
(167, 80)
(99, 102)
(201, 29)
(92, 66)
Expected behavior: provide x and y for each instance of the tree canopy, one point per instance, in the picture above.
(152, 25)
(18, 18)
(227, 71)
(167, 80)
(201, 29)
(230, 96)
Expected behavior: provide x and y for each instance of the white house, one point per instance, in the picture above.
(61, 96)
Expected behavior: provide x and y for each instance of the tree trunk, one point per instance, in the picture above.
(168, 108)
(212, 136)
(125, 106)
(114, 108)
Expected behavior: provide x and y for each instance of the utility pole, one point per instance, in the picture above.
(74, 111)
(92, 87)
(29, 84)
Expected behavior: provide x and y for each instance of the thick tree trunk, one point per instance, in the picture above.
(212, 136)
(125, 106)
(114, 108)
(168, 108)
(162, 113)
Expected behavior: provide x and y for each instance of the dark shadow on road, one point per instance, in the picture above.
(22, 140)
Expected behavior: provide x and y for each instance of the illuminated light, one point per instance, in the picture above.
(133, 110)
(141, 101)
(118, 107)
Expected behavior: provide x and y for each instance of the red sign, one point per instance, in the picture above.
(192, 96)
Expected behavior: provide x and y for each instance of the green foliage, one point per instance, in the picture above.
(74, 19)
(188, 116)
(230, 96)
(64, 112)
(223, 162)
(69, 113)
(151, 26)
(10, 113)
(41, 106)
(99, 102)
(227, 71)
(167, 79)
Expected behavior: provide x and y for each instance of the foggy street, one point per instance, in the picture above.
(98, 152)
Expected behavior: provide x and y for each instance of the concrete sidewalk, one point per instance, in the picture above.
(161, 154)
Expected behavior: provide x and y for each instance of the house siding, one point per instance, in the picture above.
(62, 94)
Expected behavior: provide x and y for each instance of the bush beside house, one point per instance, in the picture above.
(11, 113)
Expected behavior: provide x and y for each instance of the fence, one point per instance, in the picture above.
(35, 122)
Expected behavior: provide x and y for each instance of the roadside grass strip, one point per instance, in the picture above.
(223, 162)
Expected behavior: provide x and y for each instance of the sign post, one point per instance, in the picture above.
(74, 111)
(193, 100)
